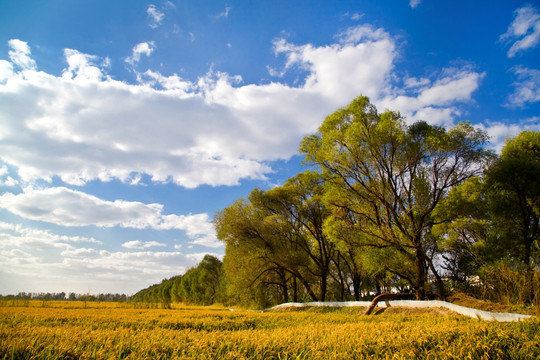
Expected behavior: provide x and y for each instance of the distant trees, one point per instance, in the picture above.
(71, 297)
(199, 285)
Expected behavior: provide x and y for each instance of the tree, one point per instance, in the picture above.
(298, 206)
(386, 178)
(463, 228)
(252, 231)
(513, 184)
(200, 284)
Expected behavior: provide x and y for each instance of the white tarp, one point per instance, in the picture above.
(473, 313)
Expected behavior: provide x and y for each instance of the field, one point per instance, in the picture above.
(74, 330)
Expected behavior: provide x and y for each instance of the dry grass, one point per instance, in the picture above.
(216, 333)
(469, 301)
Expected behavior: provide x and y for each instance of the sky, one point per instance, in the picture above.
(126, 125)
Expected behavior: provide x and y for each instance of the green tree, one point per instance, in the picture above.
(463, 228)
(200, 284)
(264, 243)
(298, 206)
(513, 184)
(387, 178)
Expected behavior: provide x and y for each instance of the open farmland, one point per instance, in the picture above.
(102, 331)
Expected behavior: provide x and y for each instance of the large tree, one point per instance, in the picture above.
(513, 183)
(298, 206)
(387, 178)
(253, 231)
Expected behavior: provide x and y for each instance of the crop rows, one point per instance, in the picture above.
(216, 333)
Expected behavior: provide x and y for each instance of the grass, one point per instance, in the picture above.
(115, 331)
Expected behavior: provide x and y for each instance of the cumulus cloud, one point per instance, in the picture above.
(81, 67)
(66, 207)
(20, 54)
(144, 48)
(156, 16)
(524, 31)
(84, 125)
(6, 70)
(360, 63)
(434, 101)
(526, 88)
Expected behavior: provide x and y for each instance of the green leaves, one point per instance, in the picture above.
(387, 178)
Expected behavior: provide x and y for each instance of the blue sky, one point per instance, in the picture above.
(125, 125)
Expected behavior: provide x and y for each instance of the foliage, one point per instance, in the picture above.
(277, 249)
(217, 333)
(385, 180)
(513, 185)
(199, 285)
(507, 285)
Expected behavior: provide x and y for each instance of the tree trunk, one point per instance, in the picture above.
(377, 287)
(356, 286)
(284, 286)
(440, 283)
(421, 274)
(324, 282)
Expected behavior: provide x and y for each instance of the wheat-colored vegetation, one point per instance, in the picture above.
(58, 330)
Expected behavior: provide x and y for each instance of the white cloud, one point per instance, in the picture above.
(65, 207)
(524, 31)
(414, 3)
(6, 70)
(17, 235)
(64, 266)
(81, 67)
(144, 48)
(137, 244)
(5, 179)
(498, 131)
(527, 87)
(413, 82)
(20, 54)
(173, 82)
(361, 63)
(156, 16)
(433, 101)
(84, 125)
(8, 181)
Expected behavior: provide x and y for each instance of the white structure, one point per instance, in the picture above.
(473, 313)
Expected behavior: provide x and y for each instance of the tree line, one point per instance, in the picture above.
(381, 206)
(199, 285)
(61, 296)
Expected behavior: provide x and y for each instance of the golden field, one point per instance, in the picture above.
(74, 330)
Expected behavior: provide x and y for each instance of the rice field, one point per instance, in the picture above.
(73, 330)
